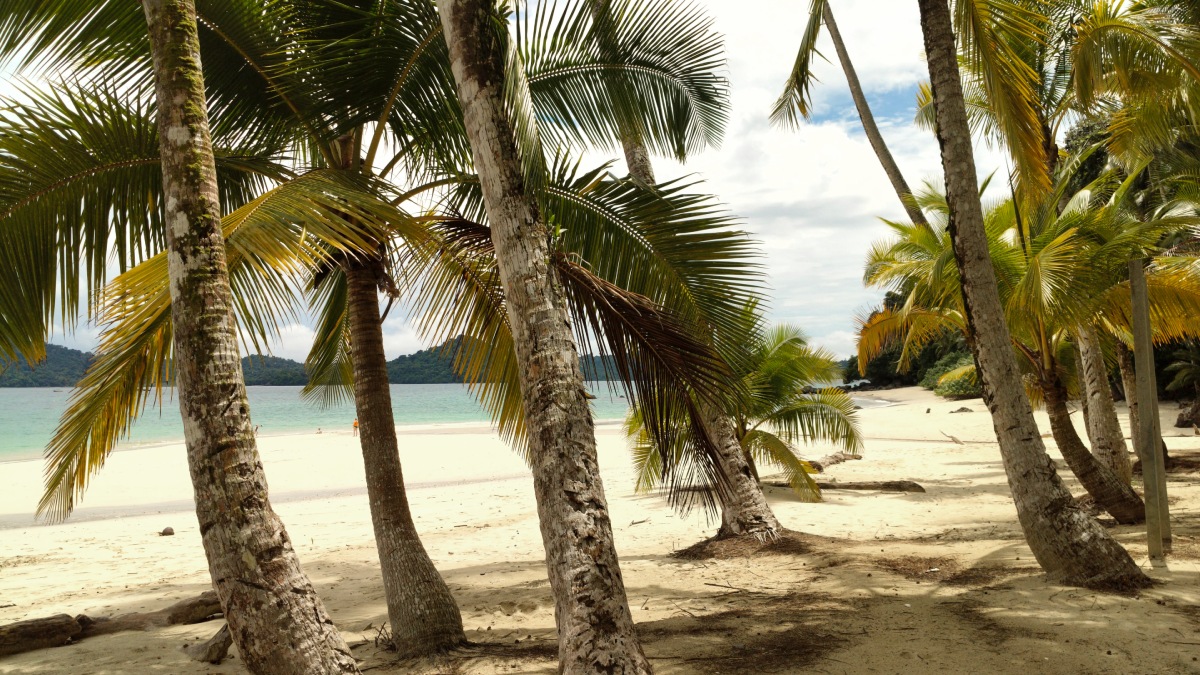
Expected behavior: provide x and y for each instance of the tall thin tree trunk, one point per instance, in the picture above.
(1115, 497)
(423, 615)
(1104, 429)
(1129, 383)
(744, 508)
(595, 629)
(868, 122)
(277, 620)
(1068, 544)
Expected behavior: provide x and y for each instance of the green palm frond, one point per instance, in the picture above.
(768, 449)
(826, 415)
(271, 242)
(79, 191)
(600, 69)
(795, 103)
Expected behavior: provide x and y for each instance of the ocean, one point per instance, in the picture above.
(28, 417)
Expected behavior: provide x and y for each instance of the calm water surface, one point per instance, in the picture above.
(28, 417)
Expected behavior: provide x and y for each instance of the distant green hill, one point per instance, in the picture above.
(272, 371)
(63, 367)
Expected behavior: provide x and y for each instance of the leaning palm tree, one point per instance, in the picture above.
(1058, 271)
(410, 98)
(776, 411)
(274, 614)
(1066, 543)
(795, 102)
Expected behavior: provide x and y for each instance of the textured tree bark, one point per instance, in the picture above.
(212, 650)
(831, 460)
(744, 508)
(868, 122)
(50, 631)
(595, 629)
(1129, 384)
(424, 617)
(1104, 429)
(1069, 545)
(275, 616)
(1115, 497)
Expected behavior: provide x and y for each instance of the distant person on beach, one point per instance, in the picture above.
(318, 430)
(355, 426)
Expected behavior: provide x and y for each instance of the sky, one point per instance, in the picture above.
(815, 196)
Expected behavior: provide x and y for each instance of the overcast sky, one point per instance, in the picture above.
(814, 197)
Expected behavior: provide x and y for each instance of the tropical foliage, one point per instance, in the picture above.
(776, 410)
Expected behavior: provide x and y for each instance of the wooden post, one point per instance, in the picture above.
(1158, 532)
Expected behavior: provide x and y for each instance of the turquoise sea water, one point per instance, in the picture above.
(28, 417)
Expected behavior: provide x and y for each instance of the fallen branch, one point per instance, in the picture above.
(881, 485)
(25, 636)
(61, 629)
(831, 460)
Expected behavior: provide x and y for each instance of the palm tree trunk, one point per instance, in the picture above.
(1190, 416)
(595, 628)
(274, 614)
(1115, 497)
(1129, 383)
(1069, 545)
(1104, 430)
(744, 508)
(424, 617)
(868, 122)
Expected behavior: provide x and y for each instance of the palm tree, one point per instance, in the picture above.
(402, 40)
(274, 614)
(773, 414)
(794, 103)
(1058, 277)
(744, 505)
(1066, 543)
(594, 624)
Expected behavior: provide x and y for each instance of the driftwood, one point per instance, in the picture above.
(214, 650)
(61, 629)
(52, 631)
(830, 460)
(882, 485)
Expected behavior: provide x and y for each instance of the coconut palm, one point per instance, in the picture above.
(1057, 274)
(409, 98)
(795, 103)
(1066, 543)
(777, 410)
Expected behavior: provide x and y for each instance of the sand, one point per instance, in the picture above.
(878, 583)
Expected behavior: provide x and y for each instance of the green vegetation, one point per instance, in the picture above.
(62, 367)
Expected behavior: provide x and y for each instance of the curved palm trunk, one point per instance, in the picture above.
(1104, 430)
(423, 615)
(275, 616)
(868, 122)
(1115, 497)
(595, 629)
(744, 508)
(1069, 545)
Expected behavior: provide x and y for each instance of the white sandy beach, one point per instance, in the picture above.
(914, 583)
